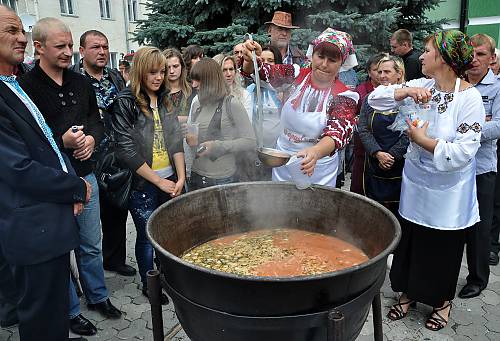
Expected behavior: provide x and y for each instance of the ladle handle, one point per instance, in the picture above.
(258, 122)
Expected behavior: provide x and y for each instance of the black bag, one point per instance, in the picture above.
(114, 180)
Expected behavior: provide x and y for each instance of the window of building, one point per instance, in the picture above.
(105, 7)
(112, 60)
(133, 10)
(76, 57)
(67, 6)
(10, 3)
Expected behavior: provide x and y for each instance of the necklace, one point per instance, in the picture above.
(436, 98)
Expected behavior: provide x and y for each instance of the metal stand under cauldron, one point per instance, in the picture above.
(333, 319)
(217, 306)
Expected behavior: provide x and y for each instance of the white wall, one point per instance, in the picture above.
(87, 16)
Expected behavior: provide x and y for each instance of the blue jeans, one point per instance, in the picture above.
(89, 254)
(141, 205)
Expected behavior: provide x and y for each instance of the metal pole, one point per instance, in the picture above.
(464, 15)
(335, 327)
(258, 125)
(378, 333)
(154, 292)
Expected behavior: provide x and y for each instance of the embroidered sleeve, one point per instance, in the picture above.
(279, 75)
(457, 152)
(341, 119)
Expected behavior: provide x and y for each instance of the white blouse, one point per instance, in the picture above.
(438, 189)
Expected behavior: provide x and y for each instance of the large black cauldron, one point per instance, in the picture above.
(217, 306)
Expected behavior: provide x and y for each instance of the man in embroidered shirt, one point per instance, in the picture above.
(402, 46)
(39, 196)
(280, 33)
(67, 99)
(106, 82)
(478, 238)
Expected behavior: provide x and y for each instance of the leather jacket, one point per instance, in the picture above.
(133, 132)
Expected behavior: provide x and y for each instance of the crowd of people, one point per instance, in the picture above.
(180, 121)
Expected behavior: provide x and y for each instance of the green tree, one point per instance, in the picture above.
(217, 25)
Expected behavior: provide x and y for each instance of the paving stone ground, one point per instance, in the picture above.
(474, 319)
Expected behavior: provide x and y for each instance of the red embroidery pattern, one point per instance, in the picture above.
(278, 75)
(341, 120)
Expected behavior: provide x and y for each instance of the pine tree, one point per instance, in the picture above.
(217, 25)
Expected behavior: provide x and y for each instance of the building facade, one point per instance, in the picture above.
(481, 16)
(117, 19)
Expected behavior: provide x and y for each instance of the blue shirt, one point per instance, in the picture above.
(486, 156)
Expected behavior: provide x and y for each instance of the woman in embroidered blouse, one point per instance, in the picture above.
(438, 195)
(384, 149)
(319, 114)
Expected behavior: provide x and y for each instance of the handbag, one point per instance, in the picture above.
(114, 180)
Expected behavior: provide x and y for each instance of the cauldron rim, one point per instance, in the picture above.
(337, 273)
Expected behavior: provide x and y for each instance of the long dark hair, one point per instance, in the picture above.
(278, 59)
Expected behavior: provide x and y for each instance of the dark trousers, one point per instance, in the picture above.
(495, 225)
(43, 304)
(114, 233)
(8, 294)
(478, 236)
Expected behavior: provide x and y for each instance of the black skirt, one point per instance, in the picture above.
(426, 263)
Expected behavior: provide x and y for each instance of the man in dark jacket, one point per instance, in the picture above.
(402, 46)
(69, 106)
(106, 82)
(8, 306)
(39, 196)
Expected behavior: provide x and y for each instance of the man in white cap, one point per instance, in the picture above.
(280, 32)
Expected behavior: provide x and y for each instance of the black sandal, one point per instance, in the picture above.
(397, 313)
(438, 322)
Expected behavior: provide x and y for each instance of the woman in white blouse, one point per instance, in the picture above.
(438, 194)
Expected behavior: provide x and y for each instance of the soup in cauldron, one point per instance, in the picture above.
(276, 253)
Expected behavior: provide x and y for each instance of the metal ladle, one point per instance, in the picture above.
(268, 156)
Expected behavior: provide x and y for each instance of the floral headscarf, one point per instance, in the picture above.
(340, 39)
(456, 49)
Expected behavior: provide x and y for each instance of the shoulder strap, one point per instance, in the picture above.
(214, 127)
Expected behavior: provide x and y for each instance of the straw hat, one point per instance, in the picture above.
(282, 19)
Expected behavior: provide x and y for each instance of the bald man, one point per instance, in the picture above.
(66, 100)
(40, 194)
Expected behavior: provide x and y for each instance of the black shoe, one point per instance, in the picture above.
(493, 258)
(77, 339)
(469, 291)
(106, 309)
(124, 270)
(164, 298)
(81, 326)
